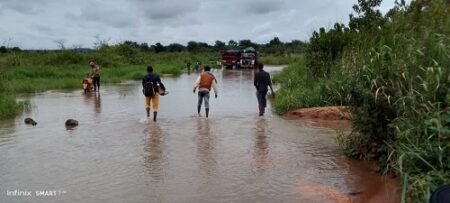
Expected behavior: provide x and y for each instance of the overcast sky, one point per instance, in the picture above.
(36, 24)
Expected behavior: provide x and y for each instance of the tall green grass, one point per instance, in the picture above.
(299, 88)
(281, 59)
(37, 79)
(396, 76)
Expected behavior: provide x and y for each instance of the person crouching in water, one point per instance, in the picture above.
(204, 83)
(151, 84)
(95, 75)
(261, 81)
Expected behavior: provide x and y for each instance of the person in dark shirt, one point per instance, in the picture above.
(95, 75)
(261, 81)
(152, 101)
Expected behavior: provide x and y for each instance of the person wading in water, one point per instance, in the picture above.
(95, 75)
(151, 85)
(261, 81)
(204, 83)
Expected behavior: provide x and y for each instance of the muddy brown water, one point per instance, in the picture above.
(115, 155)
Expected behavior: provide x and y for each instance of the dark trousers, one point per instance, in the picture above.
(262, 101)
(96, 82)
(203, 95)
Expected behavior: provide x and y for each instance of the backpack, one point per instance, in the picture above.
(149, 89)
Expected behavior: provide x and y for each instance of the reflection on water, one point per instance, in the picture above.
(261, 150)
(154, 154)
(98, 104)
(234, 156)
(94, 99)
(206, 142)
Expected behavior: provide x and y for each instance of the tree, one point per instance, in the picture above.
(61, 43)
(232, 43)
(246, 43)
(192, 46)
(219, 45)
(175, 47)
(203, 46)
(16, 49)
(275, 46)
(132, 44)
(101, 42)
(77, 46)
(144, 47)
(275, 42)
(3, 49)
(158, 47)
(367, 17)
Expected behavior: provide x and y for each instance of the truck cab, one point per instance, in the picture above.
(248, 58)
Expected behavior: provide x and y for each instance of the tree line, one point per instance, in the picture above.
(274, 46)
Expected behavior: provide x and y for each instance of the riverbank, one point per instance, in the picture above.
(335, 117)
(386, 189)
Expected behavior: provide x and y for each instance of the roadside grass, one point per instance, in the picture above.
(281, 59)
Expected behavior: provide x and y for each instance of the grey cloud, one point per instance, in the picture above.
(43, 28)
(167, 9)
(261, 6)
(109, 16)
(23, 6)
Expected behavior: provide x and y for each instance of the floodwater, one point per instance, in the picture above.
(116, 155)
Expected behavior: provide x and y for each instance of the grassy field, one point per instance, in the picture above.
(37, 79)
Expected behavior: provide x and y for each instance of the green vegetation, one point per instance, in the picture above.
(34, 72)
(393, 70)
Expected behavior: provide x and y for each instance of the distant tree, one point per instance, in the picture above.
(61, 43)
(275, 42)
(158, 47)
(203, 47)
(77, 46)
(16, 49)
(144, 47)
(219, 45)
(275, 46)
(175, 47)
(132, 44)
(3, 49)
(245, 43)
(101, 42)
(232, 43)
(192, 46)
(295, 46)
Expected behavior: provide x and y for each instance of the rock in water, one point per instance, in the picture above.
(71, 123)
(30, 121)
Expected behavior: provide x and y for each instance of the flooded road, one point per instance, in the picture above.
(114, 155)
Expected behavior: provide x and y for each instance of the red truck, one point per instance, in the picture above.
(231, 59)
